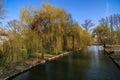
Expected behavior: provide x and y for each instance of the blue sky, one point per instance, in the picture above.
(80, 9)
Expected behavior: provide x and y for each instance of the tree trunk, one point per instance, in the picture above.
(104, 45)
(64, 43)
(73, 40)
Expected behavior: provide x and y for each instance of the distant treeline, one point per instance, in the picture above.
(108, 31)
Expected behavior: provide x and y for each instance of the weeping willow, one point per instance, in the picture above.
(47, 30)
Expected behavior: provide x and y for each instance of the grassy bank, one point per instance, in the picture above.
(28, 64)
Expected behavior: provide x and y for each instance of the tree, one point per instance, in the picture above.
(49, 23)
(73, 33)
(1, 9)
(87, 24)
(46, 30)
(52, 24)
(103, 34)
(14, 47)
(117, 36)
(113, 22)
(28, 17)
(2, 12)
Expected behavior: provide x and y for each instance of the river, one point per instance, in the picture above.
(91, 63)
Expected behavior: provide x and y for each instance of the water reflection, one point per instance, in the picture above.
(88, 64)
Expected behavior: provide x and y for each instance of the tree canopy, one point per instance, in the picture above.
(46, 30)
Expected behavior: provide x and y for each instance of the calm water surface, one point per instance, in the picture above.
(89, 64)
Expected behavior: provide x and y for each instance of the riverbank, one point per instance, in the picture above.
(28, 64)
(114, 52)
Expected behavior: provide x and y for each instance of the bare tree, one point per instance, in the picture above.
(87, 25)
(112, 21)
(1, 9)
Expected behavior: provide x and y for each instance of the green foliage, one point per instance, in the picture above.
(117, 36)
(46, 30)
(77, 38)
(3, 63)
(103, 34)
(32, 42)
(113, 23)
